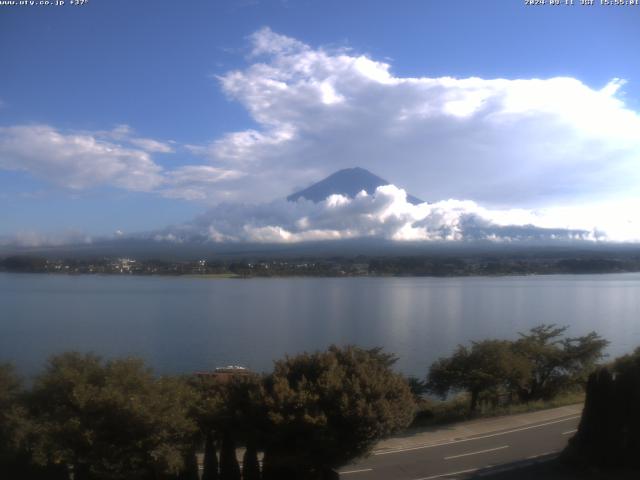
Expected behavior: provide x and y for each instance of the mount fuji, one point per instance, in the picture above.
(348, 182)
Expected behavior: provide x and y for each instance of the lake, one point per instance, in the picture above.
(181, 324)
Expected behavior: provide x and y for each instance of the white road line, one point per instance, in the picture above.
(542, 455)
(356, 471)
(569, 432)
(476, 453)
(471, 470)
(400, 450)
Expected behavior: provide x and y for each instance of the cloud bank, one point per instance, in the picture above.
(386, 214)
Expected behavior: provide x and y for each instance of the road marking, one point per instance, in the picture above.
(449, 474)
(477, 438)
(542, 455)
(356, 471)
(477, 453)
(569, 432)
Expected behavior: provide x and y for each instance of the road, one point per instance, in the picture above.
(462, 457)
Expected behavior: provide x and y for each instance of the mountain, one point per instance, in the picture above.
(348, 182)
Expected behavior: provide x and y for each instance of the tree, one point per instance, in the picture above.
(24, 263)
(609, 431)
(233, 410)
(14, 425)
(190, 466)
(582, 355)
(487, 365)
(210, 467)
(327, 408)
(110, 420)
(418, 387)
(205, 412)
(537, 366)
(243, 417)
(229, 468)
(250, 465)
(10, 390)
(557, 363)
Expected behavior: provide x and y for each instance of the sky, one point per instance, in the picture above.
(199, 117)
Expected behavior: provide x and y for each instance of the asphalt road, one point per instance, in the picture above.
(461, 458)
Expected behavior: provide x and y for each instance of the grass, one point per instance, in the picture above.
(434, 412)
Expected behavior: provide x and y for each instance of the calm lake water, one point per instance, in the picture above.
(189, 324)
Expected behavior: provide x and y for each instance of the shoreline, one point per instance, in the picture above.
(226, 276)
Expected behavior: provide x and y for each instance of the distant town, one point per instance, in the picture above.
(357, 266)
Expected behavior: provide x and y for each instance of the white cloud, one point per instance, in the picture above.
(82, 160)
(521, 142)
(244, 148)
(125, 133)
(150, 145)
(196, 182)
(76, 160)
(386, 214)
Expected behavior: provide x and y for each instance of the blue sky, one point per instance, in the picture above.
(121, 75)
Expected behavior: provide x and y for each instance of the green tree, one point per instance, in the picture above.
(243, 415)
(329, 407)
(231, 409)
(15, 426)
(206, 412)
(110, 420)
(10, 390)
(487, 365)
(210, 467)
(229, 468)
(418, 387)
(190, 466)
(250, 465)
(557, 363)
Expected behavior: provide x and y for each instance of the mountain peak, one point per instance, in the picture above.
(348, 182)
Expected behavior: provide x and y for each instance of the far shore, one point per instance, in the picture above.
(435, 266)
